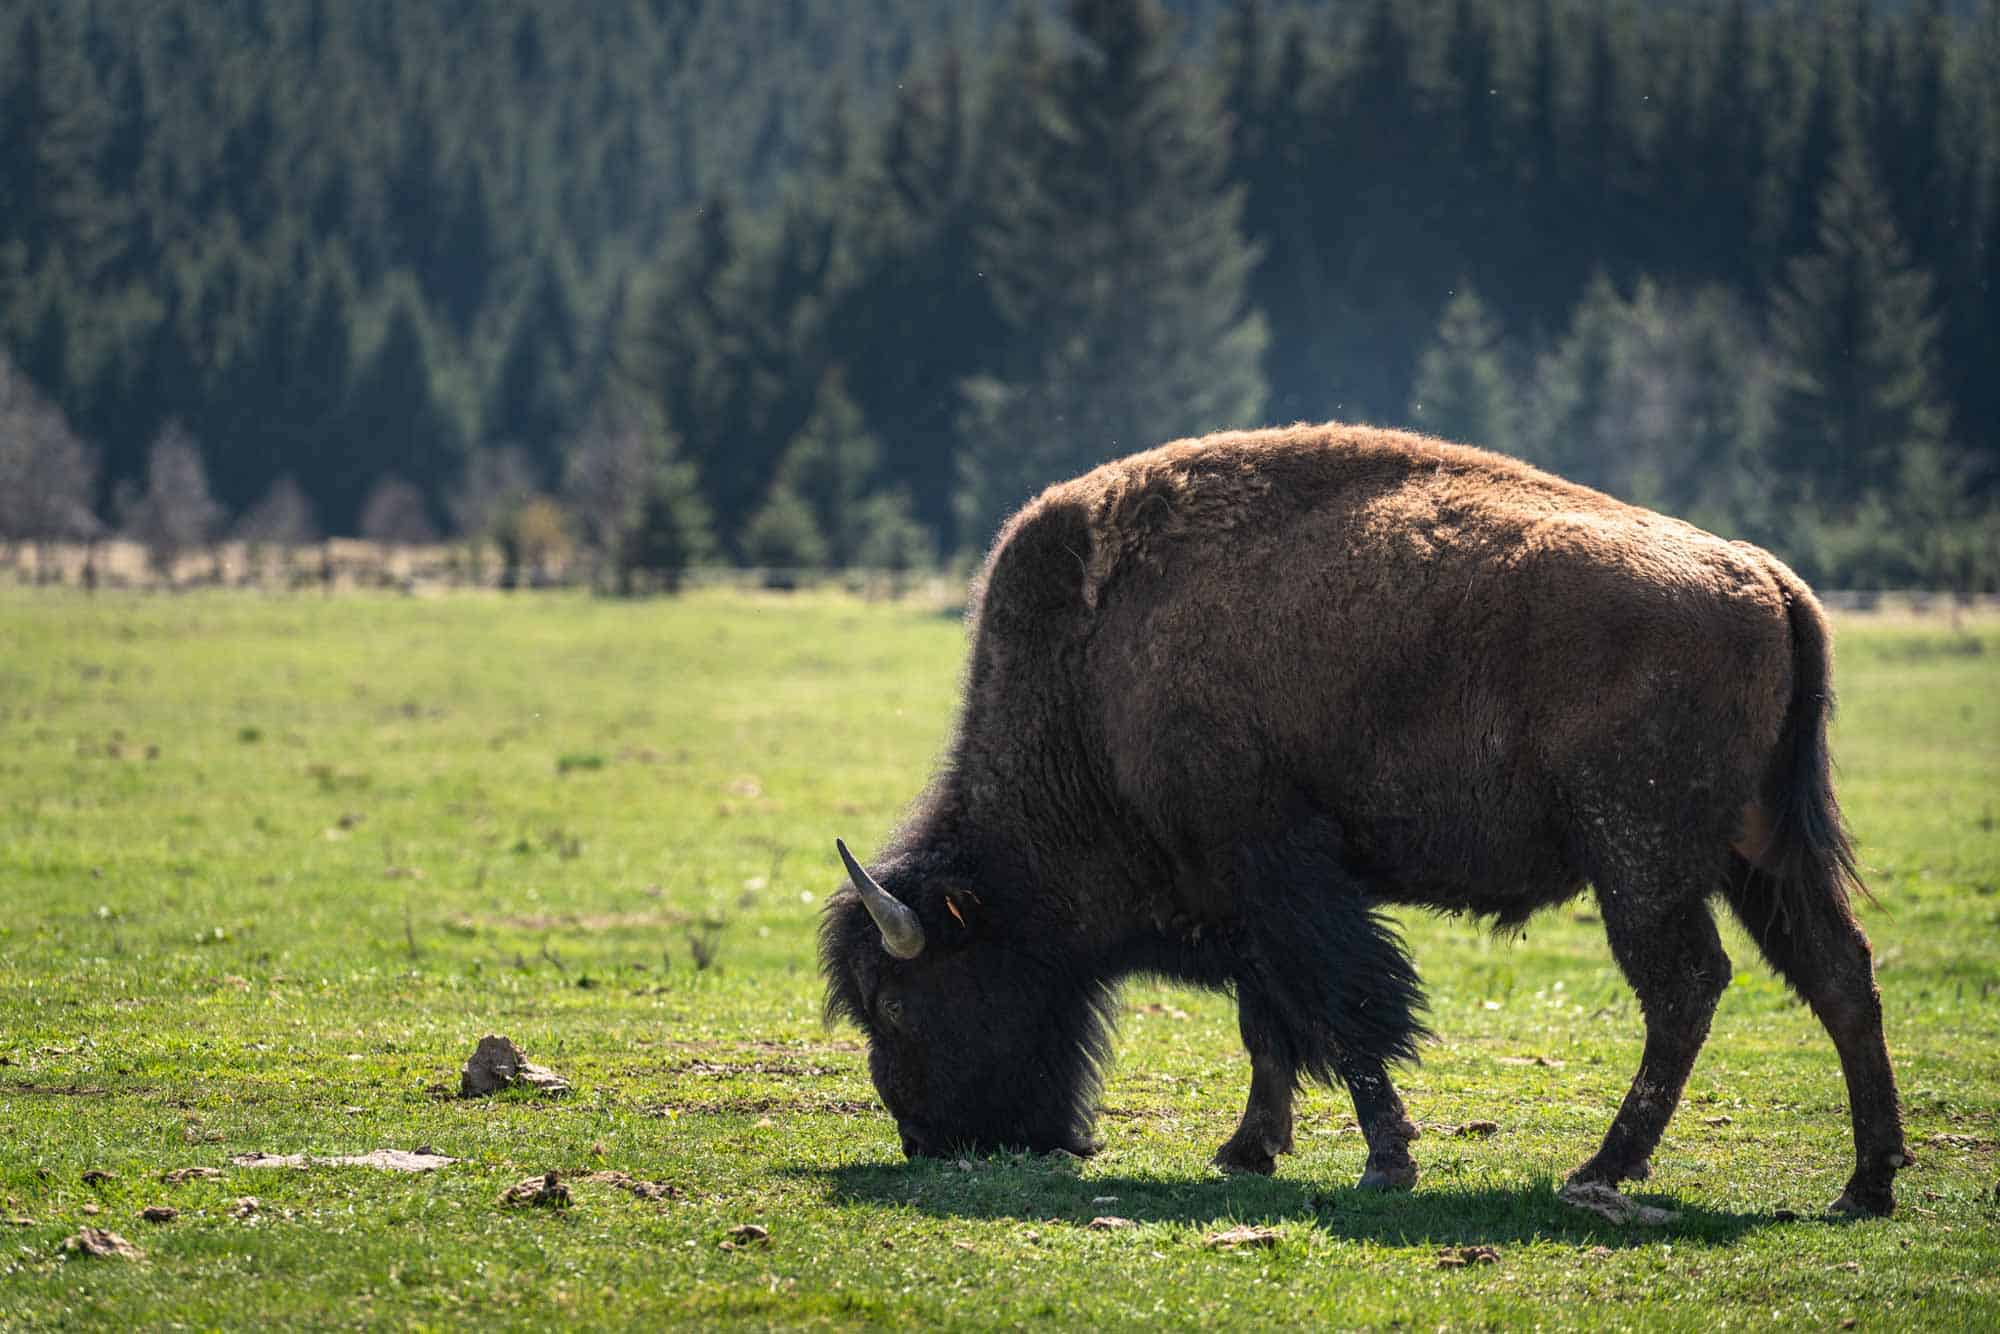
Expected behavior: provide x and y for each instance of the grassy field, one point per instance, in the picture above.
(269, 867)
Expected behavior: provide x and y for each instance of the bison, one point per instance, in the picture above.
(1230, 697)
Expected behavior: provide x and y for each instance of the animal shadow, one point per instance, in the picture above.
(1040, 1190)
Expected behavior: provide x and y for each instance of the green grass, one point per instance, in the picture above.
(270, 867)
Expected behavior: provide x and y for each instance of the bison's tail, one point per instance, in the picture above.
(1809, 855)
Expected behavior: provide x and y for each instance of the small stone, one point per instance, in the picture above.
(1110, 1223)
(748, 1234)
(90, 1207)
(246, 1206)
(159, 1213)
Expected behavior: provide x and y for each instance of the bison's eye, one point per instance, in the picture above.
(891, 1011)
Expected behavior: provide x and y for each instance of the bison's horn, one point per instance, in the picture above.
(902, 933)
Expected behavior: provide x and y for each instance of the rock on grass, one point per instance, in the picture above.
(496, 1063)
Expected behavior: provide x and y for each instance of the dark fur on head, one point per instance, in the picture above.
(986, 1041)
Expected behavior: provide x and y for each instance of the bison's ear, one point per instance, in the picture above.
(964, 907)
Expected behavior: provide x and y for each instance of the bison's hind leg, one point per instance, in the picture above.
(1666, 944)
(1324, 988)
(1814, 943)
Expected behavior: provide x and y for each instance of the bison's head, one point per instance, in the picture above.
(978, 1038)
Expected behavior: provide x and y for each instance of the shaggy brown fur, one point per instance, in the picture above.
(1229, 696)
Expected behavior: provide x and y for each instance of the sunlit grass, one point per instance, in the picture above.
(270, 867)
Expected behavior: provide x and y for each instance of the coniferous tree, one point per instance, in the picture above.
(1856, 338)
(533, 396)
(395, 420)
(830, 466)
(1116, 258)
(784, 534)
(672, 532)
(1462, 391)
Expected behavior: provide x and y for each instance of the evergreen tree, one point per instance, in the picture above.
(1462, 390)
(671, 533)
(1117, 261)
(533, 395)
(1856, 338)
(784, 534)
(395, 420)
(830, 465)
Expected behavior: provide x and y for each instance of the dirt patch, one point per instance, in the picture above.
(745, 1235)
(543, 1192)
(496, 1063)
(760, 1106)
(1461, 1257)
(97, 1176)
(729, 1070)
(159, 1213)
(109, 1245)
(180, 1174)
(645, 1190)
(1473, 1130)
(1608, 1204)
(1246, 1237)
(386, 1160)
(609, 921)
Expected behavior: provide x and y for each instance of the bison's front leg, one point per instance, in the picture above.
(1266, 1129)
(1384, 1124)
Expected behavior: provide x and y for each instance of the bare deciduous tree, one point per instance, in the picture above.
(282, 520)
(608, 467)
(47, 474)
(496, 480)
(395, 514)
(176, 513)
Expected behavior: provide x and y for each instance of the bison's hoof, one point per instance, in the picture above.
(1388, 1176)
(1858, 1203)
(1252, 1159)
(1596, 1172)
